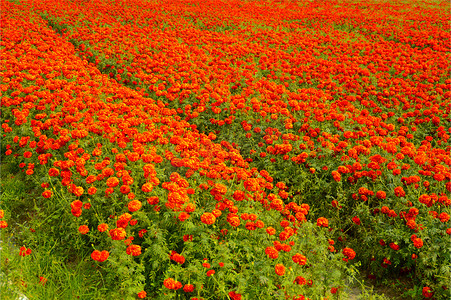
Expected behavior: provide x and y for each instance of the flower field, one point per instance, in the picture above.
(243, 149)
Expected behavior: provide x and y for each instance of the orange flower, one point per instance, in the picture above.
(103, 256)
(102, 227)
(280, 269)
(134, 250)
(336, 176)
(117, 234)
(47, 194)
(299, 259)
(3, 224)
(322, 222)
(95, 255)
(183, 216)
(349, 253)
(83, 229)
(208, 218)
(134, 205)
(112, 182)
(272, 252)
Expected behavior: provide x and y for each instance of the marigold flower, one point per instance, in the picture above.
(92, 190)
(83, 229)
(336, 175)
(349, 253)
(3, 224)
(134, 250)
(418, 243)
(321, 221)
(427, 292)
(399, 191)
(134, 205)
(117, 234)
(112, 182)
(299, 259)
(53, 172)
(102, 227)
(153, 200)
(142, 294)
(95, 255)
(147, 187)
(190, 207)
(183, 216)
(188, 288)
(177, 257)
(208, 218)
(356, 220)
(444, 217)
(272, 252)
(104, 255)
(234, 296)
(300, 280)
(394, 246)
(279, 269)
(381, 195)
(2, 213)
(171, 284)
(210, 272)
(47, 194)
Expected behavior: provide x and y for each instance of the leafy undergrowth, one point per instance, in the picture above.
(263, 150)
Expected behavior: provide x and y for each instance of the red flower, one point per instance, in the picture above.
(356, 220)
(394, 246)
(349, 253)
(234, 296)
(427, 293)
(142, 294)
(183, 216)
(399, 191)
(210, 272)
(418, 243)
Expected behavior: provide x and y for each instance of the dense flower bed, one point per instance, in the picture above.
(256, 150)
